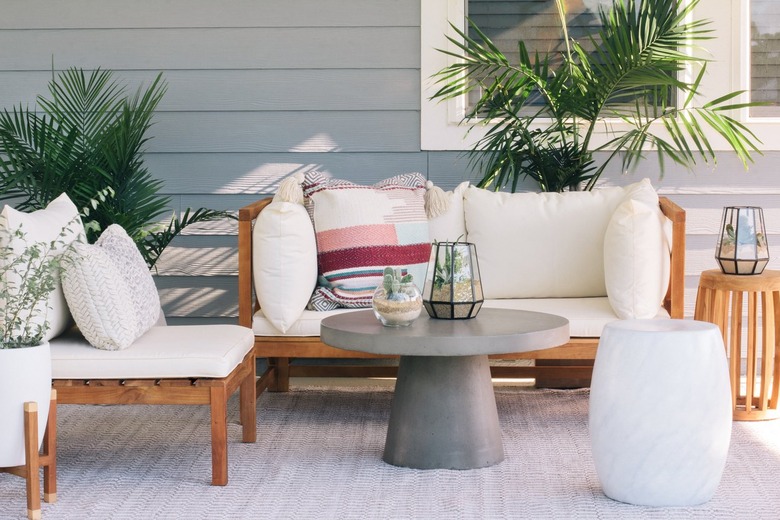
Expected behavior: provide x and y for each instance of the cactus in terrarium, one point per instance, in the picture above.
(397, 302)
(393, 278)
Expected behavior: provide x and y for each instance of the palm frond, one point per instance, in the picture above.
(153, 242)
(90, 142)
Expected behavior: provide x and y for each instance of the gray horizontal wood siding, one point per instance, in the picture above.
(261, 89)
(257, 90)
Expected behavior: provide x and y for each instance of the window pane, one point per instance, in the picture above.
(536, 22)
(765, 57)
(533, 21)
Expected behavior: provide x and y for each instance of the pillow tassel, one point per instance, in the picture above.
(290, 189)
(436, 201)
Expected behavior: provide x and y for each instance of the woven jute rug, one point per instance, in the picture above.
(318, 456)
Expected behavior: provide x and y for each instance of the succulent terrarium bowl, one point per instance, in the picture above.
(399, 308)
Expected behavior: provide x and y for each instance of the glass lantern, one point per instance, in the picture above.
(453, 289)
(742, 246)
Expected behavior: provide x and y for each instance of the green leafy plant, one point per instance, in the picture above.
(543, 111)
(445, 270)
(26, 282)
(87, 140)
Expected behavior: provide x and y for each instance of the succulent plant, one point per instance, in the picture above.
(393, 278)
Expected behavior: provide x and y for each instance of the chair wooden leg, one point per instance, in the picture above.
(31, 464)
(282, 382)
(248, 404)
(50, 453)
(219, 462)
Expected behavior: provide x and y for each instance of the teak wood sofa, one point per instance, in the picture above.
(561, 221)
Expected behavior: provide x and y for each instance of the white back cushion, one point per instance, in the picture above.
(636, 259)
(284, 262)
(450, 225)
(543, 245)
(46, 225)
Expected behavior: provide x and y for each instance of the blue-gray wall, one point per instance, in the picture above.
(260, 89)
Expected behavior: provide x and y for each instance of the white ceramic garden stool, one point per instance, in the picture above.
(660, 411)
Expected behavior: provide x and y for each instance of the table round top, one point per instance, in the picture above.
(492, 331)
(767, 281)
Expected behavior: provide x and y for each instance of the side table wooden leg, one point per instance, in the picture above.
(752, 352)
(703, 304)
(776, 370)
(734, 340)
(767, 349)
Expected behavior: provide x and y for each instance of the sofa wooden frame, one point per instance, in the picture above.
(566, 366)
(214, 392)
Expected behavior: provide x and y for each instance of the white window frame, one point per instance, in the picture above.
(441, 126)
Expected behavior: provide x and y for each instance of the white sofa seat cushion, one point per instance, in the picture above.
(162, 352)
(307, 325)
(587, 316)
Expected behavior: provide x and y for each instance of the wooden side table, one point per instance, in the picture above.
(720, 300)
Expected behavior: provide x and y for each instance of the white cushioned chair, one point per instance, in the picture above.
(127, 355)
(183, 365)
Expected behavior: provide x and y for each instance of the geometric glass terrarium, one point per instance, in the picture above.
(453, 289)
(742, 246)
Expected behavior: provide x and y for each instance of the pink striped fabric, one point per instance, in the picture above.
(363, 229)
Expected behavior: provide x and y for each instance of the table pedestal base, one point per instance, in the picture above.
(444, 414)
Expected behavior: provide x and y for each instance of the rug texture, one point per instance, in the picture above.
(318, 456)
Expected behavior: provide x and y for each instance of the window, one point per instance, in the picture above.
(743, 57)
(536, 23)
(765, 57)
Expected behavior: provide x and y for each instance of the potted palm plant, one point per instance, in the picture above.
(544, 110)
(87, 140)
(28, 275)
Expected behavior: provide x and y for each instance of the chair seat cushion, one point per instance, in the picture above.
(587, 316)
(162, 352)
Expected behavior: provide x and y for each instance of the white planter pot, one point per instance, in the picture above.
(25, 375)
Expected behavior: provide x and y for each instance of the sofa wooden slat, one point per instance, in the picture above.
(279, 350)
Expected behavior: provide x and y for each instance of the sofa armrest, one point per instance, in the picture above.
(674, 300)
(247, 303)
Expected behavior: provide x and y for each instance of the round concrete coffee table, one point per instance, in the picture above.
(444, 410)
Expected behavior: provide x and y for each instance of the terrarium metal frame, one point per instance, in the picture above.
(453, 287)
(742, 245)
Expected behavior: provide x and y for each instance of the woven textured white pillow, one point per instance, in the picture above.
(284, 262)
(46, 225)
(132, 267)
(110, 290)
(98, 297)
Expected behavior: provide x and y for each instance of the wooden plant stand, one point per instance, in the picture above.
(34, 461)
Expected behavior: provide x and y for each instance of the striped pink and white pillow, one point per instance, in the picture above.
(361, 230)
